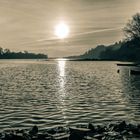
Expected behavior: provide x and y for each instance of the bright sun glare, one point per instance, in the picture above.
(62, 30)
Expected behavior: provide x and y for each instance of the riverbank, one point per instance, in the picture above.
(112, 131)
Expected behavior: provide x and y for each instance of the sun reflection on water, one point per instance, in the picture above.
(61, 67)
(62, 91)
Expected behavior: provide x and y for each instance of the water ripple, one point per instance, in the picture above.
(65, 93)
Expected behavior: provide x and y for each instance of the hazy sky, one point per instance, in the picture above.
(29, 24)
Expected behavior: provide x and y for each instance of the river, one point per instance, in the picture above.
(53, 93)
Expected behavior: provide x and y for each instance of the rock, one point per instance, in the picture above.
(19, 131)
(120, 127)
(99, 136)
(138, 126)
(58, 134)
(91, 127)
(78, 133)
(112, 134)
(26, 136)
(110, 127)
(42, 137)
(63, 137)
(33, 131)
(13, 137)
(89, 138)
(125, 138)
(135, 131)
(124, 132)
(113, 137)
(133, 128)
(51, 131)
(2, 135)
(100, 129)
(81, 126)
(61, 129)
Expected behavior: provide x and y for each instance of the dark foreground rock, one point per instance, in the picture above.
(113, 131)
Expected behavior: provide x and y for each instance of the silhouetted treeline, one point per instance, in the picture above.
(122, 51)
(7, 54)
(127, 50)
(102, 52)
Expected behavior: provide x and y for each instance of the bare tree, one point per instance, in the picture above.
(132, 29)
(1, 50)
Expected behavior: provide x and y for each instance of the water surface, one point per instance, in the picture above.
(51, 93)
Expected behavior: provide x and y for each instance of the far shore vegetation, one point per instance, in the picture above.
(7, 54)
(126, 50)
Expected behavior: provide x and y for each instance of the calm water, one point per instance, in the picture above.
(51, 93)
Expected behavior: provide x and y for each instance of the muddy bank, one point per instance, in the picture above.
(112, 131)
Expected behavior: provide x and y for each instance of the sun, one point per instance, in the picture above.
(61, 30)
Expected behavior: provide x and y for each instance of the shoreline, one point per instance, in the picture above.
(112, 131)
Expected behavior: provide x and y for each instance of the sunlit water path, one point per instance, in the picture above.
(51, 93)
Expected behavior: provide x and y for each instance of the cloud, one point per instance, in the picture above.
(28, 25)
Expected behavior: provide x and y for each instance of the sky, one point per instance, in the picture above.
(29, 24)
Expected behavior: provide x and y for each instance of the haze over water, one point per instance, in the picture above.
(51, 93)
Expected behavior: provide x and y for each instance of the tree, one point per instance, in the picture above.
(6, 51)
(132, 29)
(7, 54)
(1, 51)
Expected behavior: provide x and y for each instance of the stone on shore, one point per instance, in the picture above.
(113, 131)
(78, 133)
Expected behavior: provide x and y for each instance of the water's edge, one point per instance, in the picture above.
(113, 131)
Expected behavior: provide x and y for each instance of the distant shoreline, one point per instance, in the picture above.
(61, 59)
